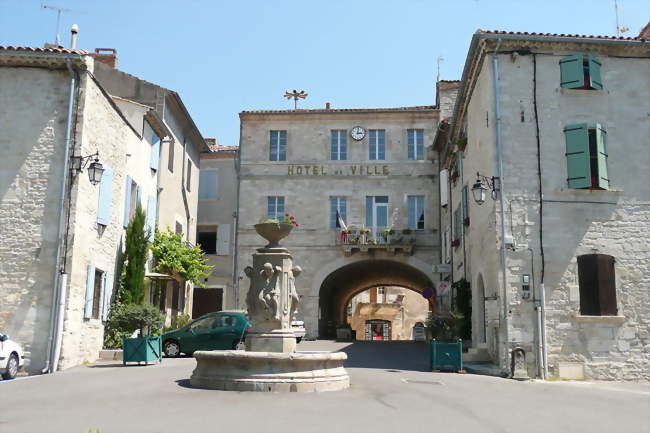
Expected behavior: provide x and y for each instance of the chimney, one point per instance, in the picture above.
(73, 36)
(108, 56)
(327, 105)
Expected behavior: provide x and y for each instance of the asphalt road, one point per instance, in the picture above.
(391, 392)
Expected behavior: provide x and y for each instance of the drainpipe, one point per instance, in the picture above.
(502, 207)
(541, 364)
(60, 277)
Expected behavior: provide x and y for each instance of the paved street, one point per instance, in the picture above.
(391, 392)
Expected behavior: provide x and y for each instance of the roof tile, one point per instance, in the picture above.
(341, 110)
(558, 35)
(57, 50)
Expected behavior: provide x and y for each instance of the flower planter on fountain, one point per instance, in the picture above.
(273, 232)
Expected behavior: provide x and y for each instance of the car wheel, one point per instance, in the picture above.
(171, 349)
(12, 367)
(298, 340)
(238, 345)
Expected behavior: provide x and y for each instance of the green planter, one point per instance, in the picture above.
(145, 349)
(446, 356)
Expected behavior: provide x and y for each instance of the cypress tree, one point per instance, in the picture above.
(135, 258)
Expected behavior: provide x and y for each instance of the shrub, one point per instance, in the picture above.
(127, 318)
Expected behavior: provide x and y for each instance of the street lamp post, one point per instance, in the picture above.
(483, 183)
(95, 169)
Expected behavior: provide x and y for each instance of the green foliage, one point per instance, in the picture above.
(134, 260)
(174, 256)
(464, 307)
(126, 318)
(445, 328)
(178, 322)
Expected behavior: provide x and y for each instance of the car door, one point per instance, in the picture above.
(224, 332)
(199, 335)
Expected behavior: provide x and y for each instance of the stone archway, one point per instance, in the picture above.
(342, 284)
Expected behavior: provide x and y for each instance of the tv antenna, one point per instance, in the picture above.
(58, 11)
(619, 29)
(295, 96)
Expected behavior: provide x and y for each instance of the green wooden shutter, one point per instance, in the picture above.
(155, 153)
(105, 187)
(571, 72)
(90, 291)
(577, 156)
(127, 201)
(594, 73)
(457, 223)
(601, 148)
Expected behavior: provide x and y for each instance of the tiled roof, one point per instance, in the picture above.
(219, 148)
(341, 110)
(645, 31)
(558, 35)
(55, 50)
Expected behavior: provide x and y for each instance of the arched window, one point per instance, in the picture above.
(597, 282)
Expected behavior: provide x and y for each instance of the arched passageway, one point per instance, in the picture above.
(340, 286)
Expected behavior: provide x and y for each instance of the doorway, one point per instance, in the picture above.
(206, 300)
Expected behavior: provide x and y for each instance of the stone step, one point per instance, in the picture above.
(477, 354)
(110, 354)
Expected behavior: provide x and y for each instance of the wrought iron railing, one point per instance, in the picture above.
(375, 236)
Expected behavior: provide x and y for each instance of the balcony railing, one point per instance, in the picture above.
(369, 240)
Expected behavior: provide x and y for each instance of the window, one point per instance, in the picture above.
(97, 293)
(416, 144)
(208, 241)
(208, 184)
(596, 278)
(205, 324)
(376, 145)
(458, 223)
(580, 71)
(170, 156)
(179, 228)
(275, 207)
(96, 301)
(155, 153)
(465, 204)
(278, 146)
(338, 208)
(416, 212)
(189, 175)
(339, 148)
(377, 211)
(131, 199)
(586, 156)
(444, 187)
(223, 239)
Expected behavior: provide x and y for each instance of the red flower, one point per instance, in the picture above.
(297, 225)
(292, 218)
(286, 214)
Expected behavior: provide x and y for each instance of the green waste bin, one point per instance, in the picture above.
(446, 356)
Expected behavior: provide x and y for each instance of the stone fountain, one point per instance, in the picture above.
(270, 361)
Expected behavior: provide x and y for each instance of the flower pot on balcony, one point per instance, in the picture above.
(145, 349)
(273, 232)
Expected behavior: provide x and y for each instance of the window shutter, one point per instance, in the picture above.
(594, 73)
(606, 285)
(127, 201)
(105, 189)
(588, 285)
(151, 216)
(411, 213)
(108, 293)
(457, 219)
(577, 156)
(601, 149)
(223, 239)
(444, 188)
(138, 196)
(465, 204)
(90, 291)
(283, 146)
(155, 153)
(572, 72)
(369, 219)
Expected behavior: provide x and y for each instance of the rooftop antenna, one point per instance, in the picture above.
(619, 29)
(58, 11)
(439, 60)
(295, 96)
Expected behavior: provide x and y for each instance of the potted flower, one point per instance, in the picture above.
(466, 221)
(446, 346)
(455, 243)
(363, 235)
(407, 231)
(144, 319)
(345, 235)
(273, 229)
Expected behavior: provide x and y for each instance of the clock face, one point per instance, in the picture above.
(358, 133)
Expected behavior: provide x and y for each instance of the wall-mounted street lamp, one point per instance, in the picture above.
(483, 183)
(95, 169)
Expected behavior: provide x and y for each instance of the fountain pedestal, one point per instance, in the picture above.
(270, 362)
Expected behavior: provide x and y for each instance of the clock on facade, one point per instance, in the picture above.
(357, 133)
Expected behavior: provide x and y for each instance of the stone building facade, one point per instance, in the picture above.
(56, 308)
(216, 226)
(372, 165)
(562, 122)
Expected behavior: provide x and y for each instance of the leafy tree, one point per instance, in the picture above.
(134, 260)
(174, 256)
(464, 307)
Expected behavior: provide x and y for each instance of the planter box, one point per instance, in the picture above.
(145, 349)
(446, 356)
(344, 334)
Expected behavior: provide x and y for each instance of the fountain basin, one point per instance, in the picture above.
(232, 370)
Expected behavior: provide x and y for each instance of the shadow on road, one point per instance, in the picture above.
(388, 355)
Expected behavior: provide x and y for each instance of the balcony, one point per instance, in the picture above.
(369, 240)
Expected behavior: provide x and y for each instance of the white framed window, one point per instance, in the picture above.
(278, 146)
(275, 207)
(339, 145)
(377, 145)
(416, 212)
(415, 144)
(377, 211)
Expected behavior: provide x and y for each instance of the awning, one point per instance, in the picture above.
(157, 276)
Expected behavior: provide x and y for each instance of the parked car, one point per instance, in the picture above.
(214, 331)
(11, 357)
(298, 327)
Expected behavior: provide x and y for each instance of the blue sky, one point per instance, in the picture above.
(227, 56)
